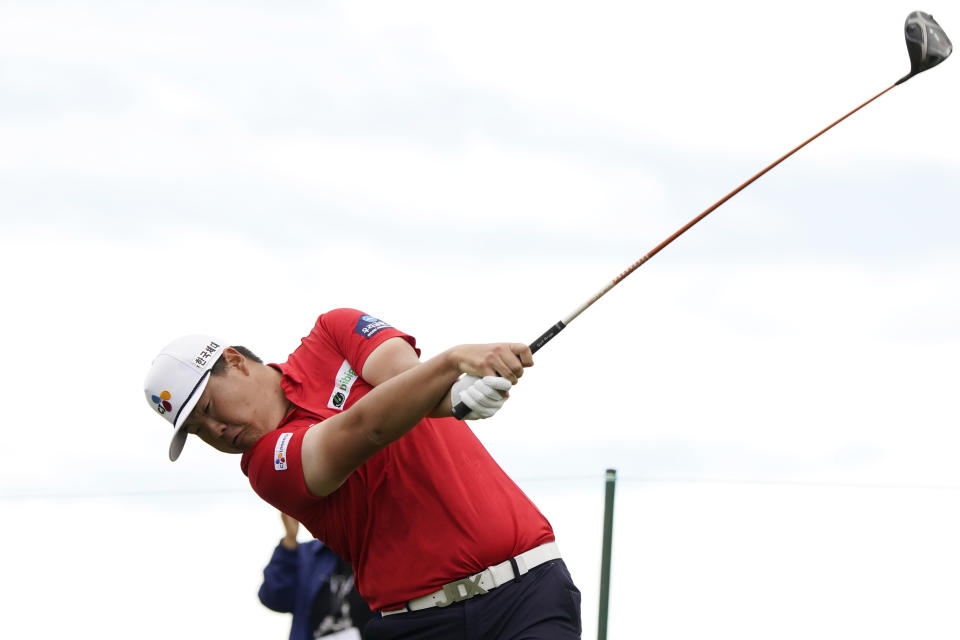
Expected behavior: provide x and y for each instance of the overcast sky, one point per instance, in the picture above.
(777, 389)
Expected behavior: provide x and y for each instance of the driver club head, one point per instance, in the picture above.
(927, 43)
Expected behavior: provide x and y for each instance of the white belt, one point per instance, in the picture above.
(480, 583)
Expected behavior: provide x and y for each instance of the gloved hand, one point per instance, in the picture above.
(482, 395)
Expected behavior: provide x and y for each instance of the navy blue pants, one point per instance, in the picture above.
(543, 604)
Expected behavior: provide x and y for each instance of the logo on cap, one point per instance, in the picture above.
(163, 402)
(205, 354)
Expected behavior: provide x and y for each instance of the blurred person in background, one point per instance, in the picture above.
(316, 586)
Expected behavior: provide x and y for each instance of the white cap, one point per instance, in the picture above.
(176, 380)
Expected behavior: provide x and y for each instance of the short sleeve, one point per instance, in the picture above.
(273, 466)
(275, 471)
(356, 334)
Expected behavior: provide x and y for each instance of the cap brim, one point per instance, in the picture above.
(180, 433)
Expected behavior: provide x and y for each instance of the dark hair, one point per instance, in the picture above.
(221, 365)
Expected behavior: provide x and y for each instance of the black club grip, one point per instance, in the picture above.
(460, 411)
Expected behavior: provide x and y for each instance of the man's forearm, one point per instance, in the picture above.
(334, 448)
(396, 406)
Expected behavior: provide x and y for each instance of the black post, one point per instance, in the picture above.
(611, 483)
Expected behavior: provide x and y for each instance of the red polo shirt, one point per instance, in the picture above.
(428, 509)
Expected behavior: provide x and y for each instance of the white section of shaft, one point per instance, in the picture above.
(566, 321)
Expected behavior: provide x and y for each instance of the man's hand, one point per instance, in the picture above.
(484, 395)
(506, 359)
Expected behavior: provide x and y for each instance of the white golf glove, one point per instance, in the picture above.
(482, 395)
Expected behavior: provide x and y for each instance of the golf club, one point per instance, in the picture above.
(927, 45)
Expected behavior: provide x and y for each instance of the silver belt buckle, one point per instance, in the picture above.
(471, 587)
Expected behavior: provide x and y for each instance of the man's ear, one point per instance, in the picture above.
(236, 360)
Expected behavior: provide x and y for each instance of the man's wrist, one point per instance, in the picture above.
(288, 543)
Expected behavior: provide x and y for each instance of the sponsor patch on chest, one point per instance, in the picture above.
(280, 452)
(346, 376)
(368, 326)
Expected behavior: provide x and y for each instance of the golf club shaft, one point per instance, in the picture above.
(460, 410)
(555, 329)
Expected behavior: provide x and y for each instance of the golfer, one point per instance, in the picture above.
(352, 436)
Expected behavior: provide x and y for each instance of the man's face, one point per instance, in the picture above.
(231, 413)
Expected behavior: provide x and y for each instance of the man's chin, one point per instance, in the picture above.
(228, 448)
(240, 446)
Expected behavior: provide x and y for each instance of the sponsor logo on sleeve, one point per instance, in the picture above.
(368, 326)
(346, 376)
(280, 452)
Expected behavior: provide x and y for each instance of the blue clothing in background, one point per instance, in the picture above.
(292, 580)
